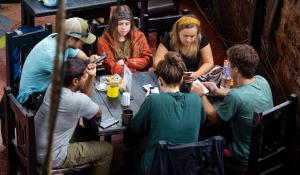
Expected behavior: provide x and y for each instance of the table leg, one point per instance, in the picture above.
(27, 18)
(107, 138)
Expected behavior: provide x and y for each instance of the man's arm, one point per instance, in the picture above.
(211, 112)
(98, 114)
(81, 55)
(88, 87)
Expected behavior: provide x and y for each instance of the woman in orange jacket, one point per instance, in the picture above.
(124, 44)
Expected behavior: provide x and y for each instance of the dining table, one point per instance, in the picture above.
(87, 9)
(111, 107)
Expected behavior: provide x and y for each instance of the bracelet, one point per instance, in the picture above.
(203, 95)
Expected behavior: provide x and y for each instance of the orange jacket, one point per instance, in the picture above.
(141, 56)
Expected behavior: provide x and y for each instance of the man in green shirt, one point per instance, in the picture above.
(252, 94)
(171, 115)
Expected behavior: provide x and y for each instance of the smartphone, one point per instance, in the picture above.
(187, 73)
(101, 58)
(108, 122)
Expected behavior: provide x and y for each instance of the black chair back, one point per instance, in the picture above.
(271, 138)
(18, 46)
(203, 157)
(162, 25)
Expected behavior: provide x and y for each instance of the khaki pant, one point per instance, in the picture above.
(98, 153)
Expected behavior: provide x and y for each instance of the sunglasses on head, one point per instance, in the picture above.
(83, 34)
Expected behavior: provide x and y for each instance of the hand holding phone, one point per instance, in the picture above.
(187, 73)
(101, 58)
(187, 77)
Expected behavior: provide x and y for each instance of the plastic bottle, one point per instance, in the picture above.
(225, 77)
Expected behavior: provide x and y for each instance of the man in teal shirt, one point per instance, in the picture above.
(171, 115)
(252, 94)
(39, 64)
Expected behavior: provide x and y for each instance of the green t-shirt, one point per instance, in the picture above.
(238, 108)
(174, 117)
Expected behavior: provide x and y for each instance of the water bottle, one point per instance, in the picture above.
(225, 77)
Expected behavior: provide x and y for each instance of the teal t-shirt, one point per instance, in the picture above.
(174, 117)
(238, 108)
(39, 65)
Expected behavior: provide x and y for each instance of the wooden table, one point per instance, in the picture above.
(113, 108)
(82, 8)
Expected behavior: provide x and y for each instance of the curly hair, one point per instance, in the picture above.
(245, 58)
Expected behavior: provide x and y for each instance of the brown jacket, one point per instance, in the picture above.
(141, 56)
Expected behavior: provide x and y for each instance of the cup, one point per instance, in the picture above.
(125, 100)
(113, 89)
(126, 116)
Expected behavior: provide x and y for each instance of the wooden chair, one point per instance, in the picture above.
(271, 139)
(18, 45)
(22, 156)
(203, 157)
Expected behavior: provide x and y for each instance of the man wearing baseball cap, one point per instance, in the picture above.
(39, 64)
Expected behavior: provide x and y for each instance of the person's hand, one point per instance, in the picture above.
(197, 88)
(151, 69)
(189, 77)
(91, 69)
(212, 87)
(93, 58)
(121, 62)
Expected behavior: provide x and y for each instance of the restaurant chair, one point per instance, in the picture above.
(22, 150)
(160, 25)
(271, 139)
(203, 157)
(18, 46)
(154, 8)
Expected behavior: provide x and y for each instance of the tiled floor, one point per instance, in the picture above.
(12, 11)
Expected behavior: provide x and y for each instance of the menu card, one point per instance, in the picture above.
(127, 79)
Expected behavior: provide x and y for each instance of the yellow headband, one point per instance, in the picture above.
(187, 20)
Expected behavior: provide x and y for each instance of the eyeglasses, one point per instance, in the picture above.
(83, 34)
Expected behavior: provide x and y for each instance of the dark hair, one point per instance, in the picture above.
(73, 68)
(171, 68)
(245, 58)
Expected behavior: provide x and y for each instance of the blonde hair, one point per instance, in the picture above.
(122, 49)
(186, 22)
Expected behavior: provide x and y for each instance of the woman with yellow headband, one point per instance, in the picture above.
(187, 39)
(124, 44)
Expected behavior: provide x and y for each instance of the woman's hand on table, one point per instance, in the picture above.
(189, 77)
